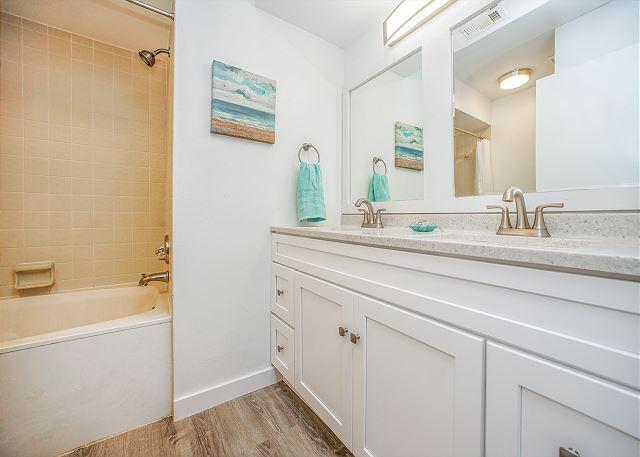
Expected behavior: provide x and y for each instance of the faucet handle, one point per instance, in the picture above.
(505, 223)
(538, 222)
(377, 219)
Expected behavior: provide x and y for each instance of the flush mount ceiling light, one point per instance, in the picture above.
(515, 78)
(408, 16)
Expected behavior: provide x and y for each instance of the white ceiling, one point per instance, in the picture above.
(339, 22)
(115, 22)
(534, 54)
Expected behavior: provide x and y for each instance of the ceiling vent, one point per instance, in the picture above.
(478, 24)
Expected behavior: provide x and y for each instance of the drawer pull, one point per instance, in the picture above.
(354, 337)
(280, 292)
(568, 452)
(279, 348)
(342, 331)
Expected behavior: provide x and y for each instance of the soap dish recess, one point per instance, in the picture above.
(33, 275)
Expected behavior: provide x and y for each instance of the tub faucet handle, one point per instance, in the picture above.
(162, 252)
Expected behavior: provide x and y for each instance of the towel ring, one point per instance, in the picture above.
(306, 147)
(376, 160)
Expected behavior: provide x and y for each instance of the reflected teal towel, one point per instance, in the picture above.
(310, 195)
(379, 188)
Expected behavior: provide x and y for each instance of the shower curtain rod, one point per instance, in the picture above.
(152, 8)
(469, 133)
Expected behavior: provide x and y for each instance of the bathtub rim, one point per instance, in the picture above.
(160, 315)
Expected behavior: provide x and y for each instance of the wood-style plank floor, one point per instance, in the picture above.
(272, 422)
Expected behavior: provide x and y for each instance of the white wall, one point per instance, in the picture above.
(472, 102)
(589, 109)
(228, 191)
(513, 141)
(367, 56)
(375, 107)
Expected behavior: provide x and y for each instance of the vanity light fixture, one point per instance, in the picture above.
(515, 78)
(408, 16)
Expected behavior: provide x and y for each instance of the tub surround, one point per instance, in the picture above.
(83, 157)
(606, 257)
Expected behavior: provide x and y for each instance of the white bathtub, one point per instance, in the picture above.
(79, 366)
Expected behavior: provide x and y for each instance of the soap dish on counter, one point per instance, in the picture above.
(423, 226)
(33, 275)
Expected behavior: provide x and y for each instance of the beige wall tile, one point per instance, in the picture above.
(36, 220)
(34, 39)
(81, 40)
(59, 150)
(11, 182)
(61, 34)
(11, 220)
(36, 148)
(36, 201)
(59, 47)
(78, 157)
(36, 183)
(11, 33)
(36, 130)
(35, 26)
(82, 53)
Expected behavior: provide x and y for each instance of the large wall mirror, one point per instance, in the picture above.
(386, 160)
(546, 97)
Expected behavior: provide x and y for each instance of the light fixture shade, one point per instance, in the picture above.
(515, 78)
(408, 16)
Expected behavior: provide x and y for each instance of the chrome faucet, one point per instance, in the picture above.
(522, 227)
(370, 218)
(145, 278)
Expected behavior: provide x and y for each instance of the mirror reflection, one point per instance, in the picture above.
(386, 140)
(546, 96)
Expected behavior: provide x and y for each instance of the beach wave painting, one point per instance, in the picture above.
(409, 146)
(243, 104)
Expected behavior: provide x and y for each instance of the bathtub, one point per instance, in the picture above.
(79, 366)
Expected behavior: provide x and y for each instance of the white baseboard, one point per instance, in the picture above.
(193, 403)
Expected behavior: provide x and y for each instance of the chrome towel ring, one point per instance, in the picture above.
(376, 160)
(306, 147)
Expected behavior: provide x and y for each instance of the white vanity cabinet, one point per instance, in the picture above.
(409, 354)
(417, 385)
(536, 407)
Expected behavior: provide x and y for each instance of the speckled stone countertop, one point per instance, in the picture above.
(606, 257)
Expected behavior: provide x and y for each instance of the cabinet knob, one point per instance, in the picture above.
(568, 452)
(280, 292)
(354, 337)
(279, 348)
(342, 331)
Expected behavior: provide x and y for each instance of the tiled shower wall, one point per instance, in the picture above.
(83, 157)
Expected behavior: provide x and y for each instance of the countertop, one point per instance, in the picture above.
(614, 258)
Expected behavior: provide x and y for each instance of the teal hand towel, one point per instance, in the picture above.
(379, 188)
(310, 196)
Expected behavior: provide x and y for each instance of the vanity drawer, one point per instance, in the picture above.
(282, 293)
(282, 348)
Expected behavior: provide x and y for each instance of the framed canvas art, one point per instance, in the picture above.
(409, 150)
(243, 104)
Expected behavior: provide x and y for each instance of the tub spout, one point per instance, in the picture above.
(145, 278)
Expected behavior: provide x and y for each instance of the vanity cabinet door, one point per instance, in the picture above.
(536, 407)
(323, 364)
(282, 293)
(417, 385)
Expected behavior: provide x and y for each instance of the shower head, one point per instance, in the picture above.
(149, 57)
